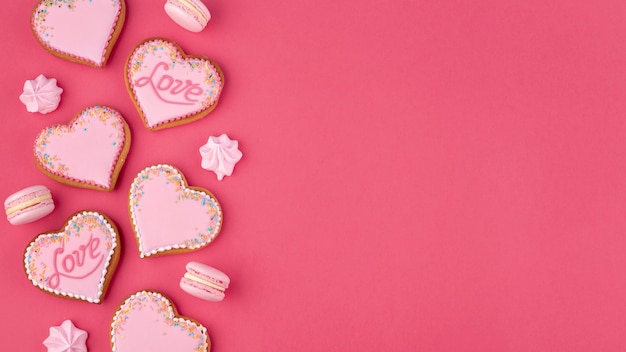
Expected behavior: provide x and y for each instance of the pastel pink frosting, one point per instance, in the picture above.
(87, 151)
(81, 29)
(146, 322)
(168, 86)
(167, 215)
(41, 95)
(220, 154)
(66, 338)
(75, 261)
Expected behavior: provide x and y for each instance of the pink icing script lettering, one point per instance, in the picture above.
(163, 84)
(76, 259)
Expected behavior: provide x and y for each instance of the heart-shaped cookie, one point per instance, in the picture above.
(148, 321)
(82, 31)
(170, 88)
(87, 153)
(77, 261)
(167, 216)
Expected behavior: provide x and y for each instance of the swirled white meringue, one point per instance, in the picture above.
(66, 338)
(220, 154)
(41, 95)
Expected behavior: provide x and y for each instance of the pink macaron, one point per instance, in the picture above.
(30, 204)
(204, 282)
(192, 15)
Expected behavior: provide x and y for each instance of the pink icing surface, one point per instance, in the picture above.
(146, 322)
(168, 87)
(86, 151)
(168, 215)
(80, 28)
(73, 262)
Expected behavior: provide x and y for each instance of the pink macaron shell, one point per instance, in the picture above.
(201, 291)
(24, 195)
(185, 17)
(31, 214)
(208, 273)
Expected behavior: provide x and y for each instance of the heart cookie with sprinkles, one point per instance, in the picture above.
(170, 88)
(87, 153)
(169, 217)
(77, 261)
(82, 31)
(148, 321)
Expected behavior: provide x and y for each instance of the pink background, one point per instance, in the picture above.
(417, 175)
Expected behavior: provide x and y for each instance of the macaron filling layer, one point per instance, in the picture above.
(28, 203)
(195, 10)
(200, 280)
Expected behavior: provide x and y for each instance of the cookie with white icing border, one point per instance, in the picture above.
(168, 87)
(169, 217)
(82, 31)
(89, 152)
(148, 321)
(77, 261)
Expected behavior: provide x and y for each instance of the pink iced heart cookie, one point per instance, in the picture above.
(148, 321)
(77, 261)
(87, 153)
(167, 216)
(82, 31)
(170, 88)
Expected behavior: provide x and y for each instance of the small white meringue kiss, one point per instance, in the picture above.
(41, 95)
(220, 154)
(66, 338)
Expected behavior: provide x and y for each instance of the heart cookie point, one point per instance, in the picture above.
(77, 261)
(169, 87)
(89, 152)
(167, 216)
(82, 31)
(148, 321)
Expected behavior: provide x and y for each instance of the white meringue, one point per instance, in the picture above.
(41, 95)
(220, 154)
(66, 338)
